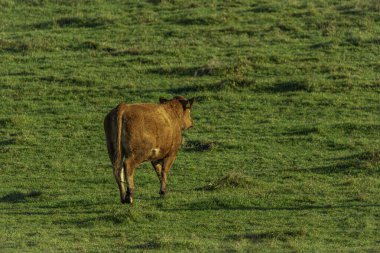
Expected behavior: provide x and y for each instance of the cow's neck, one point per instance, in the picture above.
(175, 110)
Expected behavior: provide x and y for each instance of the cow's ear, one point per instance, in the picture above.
(163, 100)
(183, 103)
(191, 101)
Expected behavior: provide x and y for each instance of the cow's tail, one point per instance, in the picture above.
(119, 125)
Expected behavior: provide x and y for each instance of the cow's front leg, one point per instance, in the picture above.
(166, 165)
(129, 170)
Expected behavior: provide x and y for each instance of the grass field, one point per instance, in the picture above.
(284, 155)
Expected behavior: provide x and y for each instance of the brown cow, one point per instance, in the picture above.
(145, 132)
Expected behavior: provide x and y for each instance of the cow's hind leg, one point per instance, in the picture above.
(167, 164)
(157, 165)
(129, 171)
(119, 177)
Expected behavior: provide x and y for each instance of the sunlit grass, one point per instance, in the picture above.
(283, 156)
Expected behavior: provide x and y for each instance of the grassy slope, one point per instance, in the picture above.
(287, 99)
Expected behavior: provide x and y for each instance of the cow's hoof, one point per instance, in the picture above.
(162, 194)
(129, 200)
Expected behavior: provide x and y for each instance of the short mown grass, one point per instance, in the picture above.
(284, 154)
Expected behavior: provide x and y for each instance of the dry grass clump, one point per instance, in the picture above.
(232, 179)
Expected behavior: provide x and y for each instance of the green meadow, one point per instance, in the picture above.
(284, 155)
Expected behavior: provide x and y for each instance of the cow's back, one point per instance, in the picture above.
(149, 131)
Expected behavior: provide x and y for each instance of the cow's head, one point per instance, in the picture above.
(187, 104)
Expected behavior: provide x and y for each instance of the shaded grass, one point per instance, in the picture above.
(74, 81)
(291, 86)
(367, 162)
(277, 235)
(83, 22)
(15, 197)
(115, 217)
(75, 22)
(303, 131)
